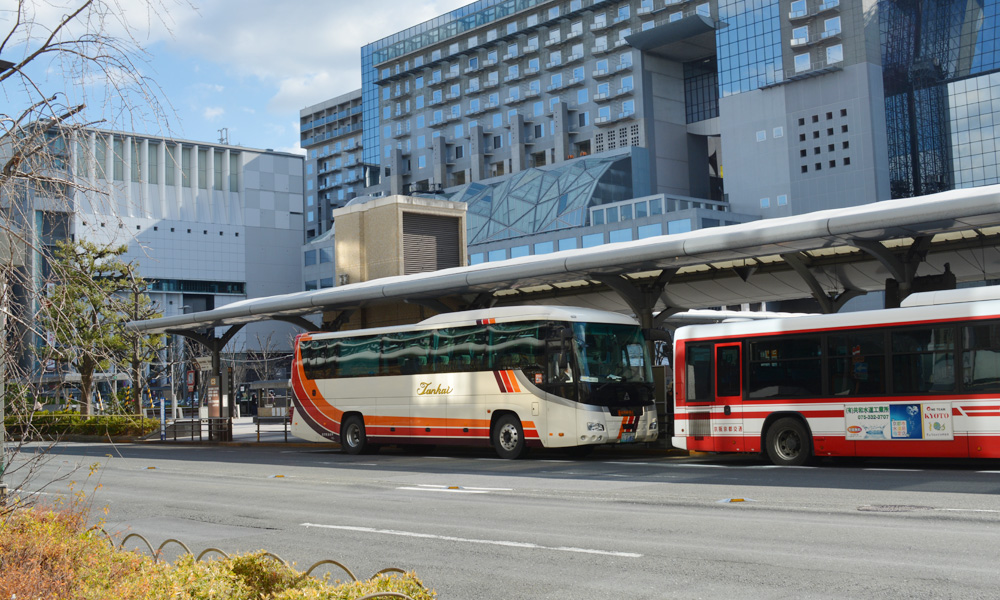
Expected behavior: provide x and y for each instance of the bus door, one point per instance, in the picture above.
(727, 414)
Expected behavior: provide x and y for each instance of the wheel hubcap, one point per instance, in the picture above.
(353, 436)
(508, 437)
(789, 444)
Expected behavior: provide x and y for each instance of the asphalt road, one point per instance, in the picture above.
(615, 525)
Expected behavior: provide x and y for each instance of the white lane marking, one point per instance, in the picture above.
(990, 472)
(612, 462)
(455, 489)
(975, 510)
(897, 470)
(554, 461)
(448, 538)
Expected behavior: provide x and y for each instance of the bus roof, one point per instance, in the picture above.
(919, 313)
(503, 314)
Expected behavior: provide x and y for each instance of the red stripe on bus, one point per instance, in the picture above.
(505, 377)
(503, 388)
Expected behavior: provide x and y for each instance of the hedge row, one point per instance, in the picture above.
(62, 423)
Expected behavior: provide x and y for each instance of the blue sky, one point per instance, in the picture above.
(246, 65)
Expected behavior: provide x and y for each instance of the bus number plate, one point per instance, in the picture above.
(628, 437)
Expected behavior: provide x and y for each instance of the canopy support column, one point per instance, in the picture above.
(828, 302)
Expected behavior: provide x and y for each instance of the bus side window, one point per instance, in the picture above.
(699, 373)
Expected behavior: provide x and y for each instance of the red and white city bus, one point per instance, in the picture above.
(513, 377)
(922, 380)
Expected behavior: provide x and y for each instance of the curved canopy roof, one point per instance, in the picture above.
(829, 252)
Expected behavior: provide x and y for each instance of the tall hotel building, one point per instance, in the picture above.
(568, 123)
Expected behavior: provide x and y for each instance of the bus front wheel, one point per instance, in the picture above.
(508, 437)
(788, 443)
(352, 435)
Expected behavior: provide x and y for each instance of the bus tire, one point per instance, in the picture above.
(508, 437)
(788, 443)
(352, 435)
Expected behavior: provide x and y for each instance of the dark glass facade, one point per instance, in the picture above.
(940, 59)
(701, 90)
(749, 46)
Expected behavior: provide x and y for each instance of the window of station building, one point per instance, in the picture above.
(418, 82)
(604, 112)
(153, 164)
(612, 214)
(538, 109)
(782, 200)
(118, 159)
(497, 120)
(497, 142)
(459, 151)
(656, 206)
(761, 135)
(325, 255)
(544, 248)
(778, 132)
(495, 255)
(626, 212)
(326, 282)
(800, 35)
(623, 12)
(491, 35)
(458, 130)
(802, 62)
(831, 26)
(553, 12)
(532, 20)
(798, 9)
(310, 258)
(628, 107)
(555, 58)
(603, 89)
(651, 230)
(624, 33)
(835, 54)
(567, 244)
(765, 202)
(421, 161)
(172, 164)
(641, 209)
(310, 216)
(535, 86)
(310, 200)
(234, 172)
(555, 35)
(519, 251)
(592, 240)
(583, 119)
(311, 285)
(675, 16)
(647, 25)
(597, 217)
(511, 28)
(679, 226)
(476, 258)
(186, 167)
(704, 10)
(217, 170)
(627, 83)
(620, 235)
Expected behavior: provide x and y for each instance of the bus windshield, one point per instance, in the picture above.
(611, 353)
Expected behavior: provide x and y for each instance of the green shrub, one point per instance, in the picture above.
(65, 422)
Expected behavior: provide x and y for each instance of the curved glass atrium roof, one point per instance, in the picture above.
(537, 200)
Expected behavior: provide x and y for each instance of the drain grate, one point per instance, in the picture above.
(891, 508)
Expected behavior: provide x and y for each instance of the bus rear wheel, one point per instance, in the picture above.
(788, 443)
(352, 435)
(508, 437)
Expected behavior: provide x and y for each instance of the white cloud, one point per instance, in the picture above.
(303, 49)
(212, 113)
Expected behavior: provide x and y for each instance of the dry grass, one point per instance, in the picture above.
(49, 553)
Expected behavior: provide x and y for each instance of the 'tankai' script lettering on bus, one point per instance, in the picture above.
(425, 389)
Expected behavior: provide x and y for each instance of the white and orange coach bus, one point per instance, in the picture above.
(511, 378)
(922, 380)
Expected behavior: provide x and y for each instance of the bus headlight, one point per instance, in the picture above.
(652, 425)
(595, 426)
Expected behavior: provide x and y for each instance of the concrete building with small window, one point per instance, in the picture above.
(547, 115)
(209, 224)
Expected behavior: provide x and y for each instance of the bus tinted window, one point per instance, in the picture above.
(460, 349)
(857, 363)
(405, 353)
(727, 369)
(699, 373)
(981, 359)
(923, 360)
(358, 357)
(785, 368)
(516, 346)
